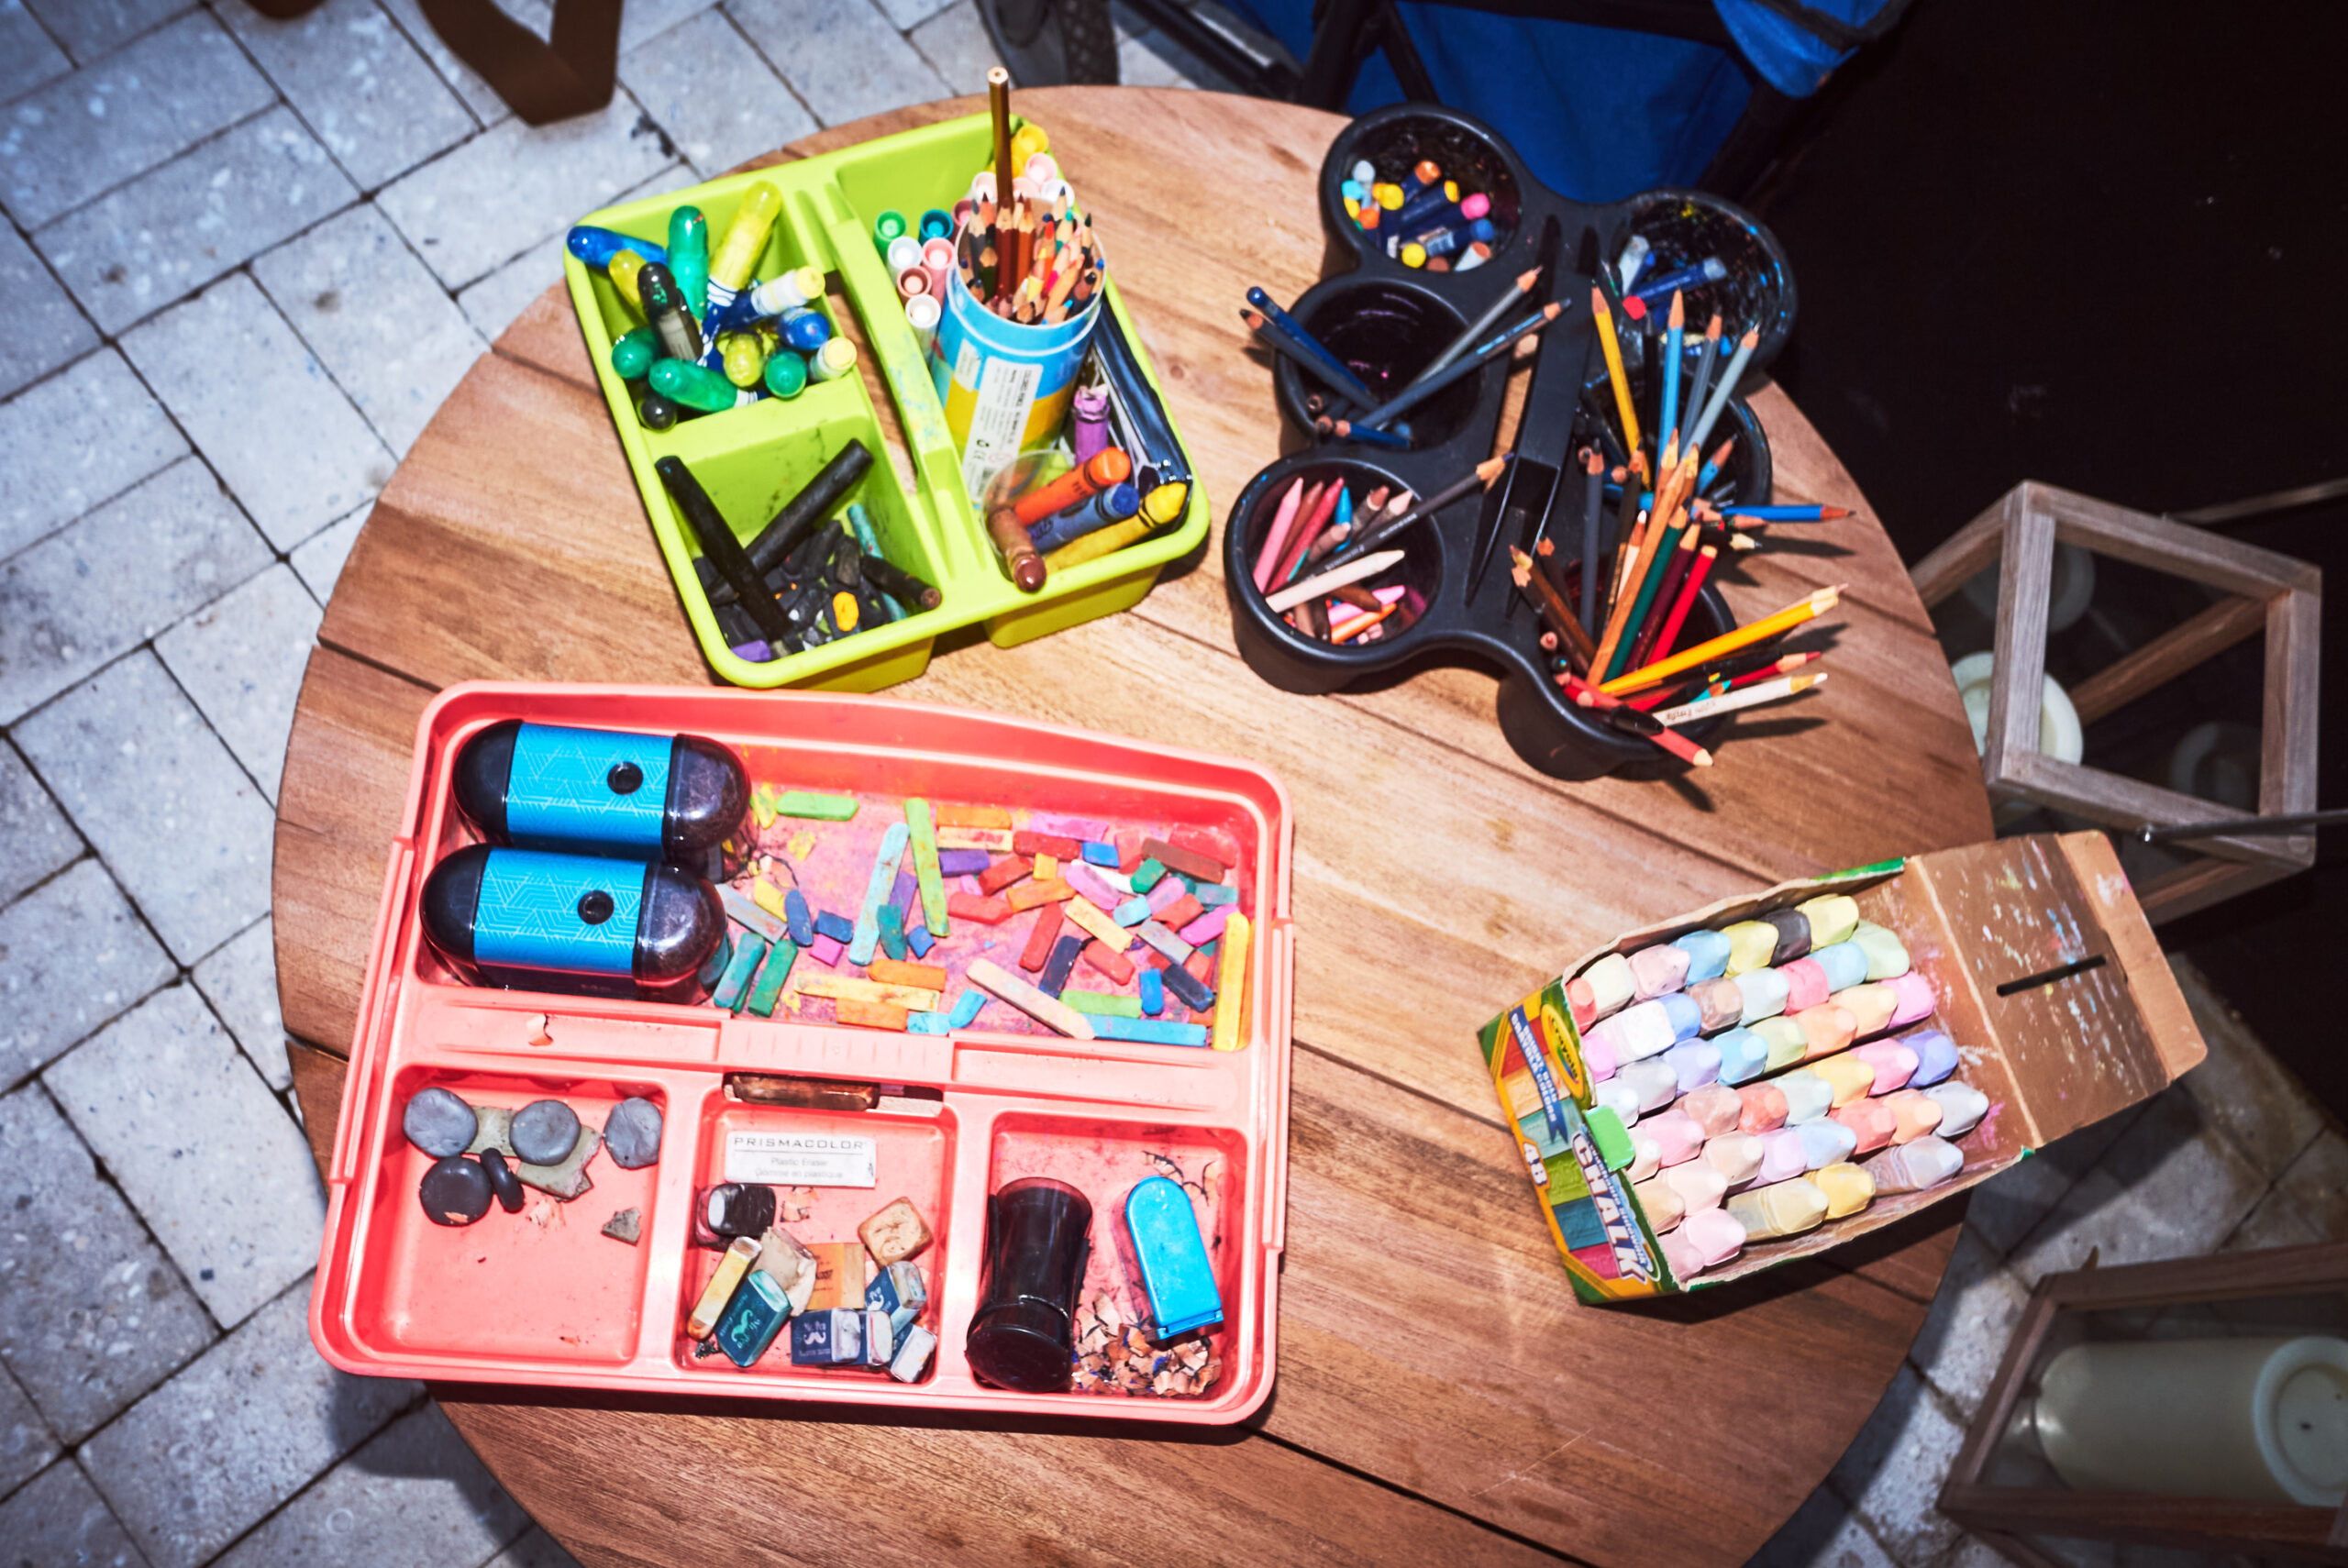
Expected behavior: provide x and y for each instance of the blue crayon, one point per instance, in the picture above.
(1711, 269)
(596, 247)
(1092, 513)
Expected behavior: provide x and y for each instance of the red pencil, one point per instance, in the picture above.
(1681, 605)
(1671, 740)
(1315, 518)
(1688, 692)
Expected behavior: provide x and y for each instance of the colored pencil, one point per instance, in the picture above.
(1593, 501)
(1675, 340)
(1534, 584)
(1728, 677)
(1360, 624)
(1706, 365)
(1369, 537)
(1355, 570)
(1347, 430)
(1713, 463)
(1751, 697)
(1276, 537)
(1662, 735)
(1485, 322)
(1666, 594)
(1785, 620)
(1315, 518)
(1346, 381)
(1729, 378)
(1312, 364)
(1688, 588)
(1426, 386)
(1626, 519)
(1612, 346)
(1664, 546)
(998, 105)
(1786, 513)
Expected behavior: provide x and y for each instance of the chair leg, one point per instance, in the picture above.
(1336, 54)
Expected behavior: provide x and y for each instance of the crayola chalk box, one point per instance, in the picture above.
(1720, 1093)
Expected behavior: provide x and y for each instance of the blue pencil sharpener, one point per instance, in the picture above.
(585, 791)
(1174, 1266)
(571, 923)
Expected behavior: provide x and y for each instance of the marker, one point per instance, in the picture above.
(664, 307)
(834, 359)
(1711, 269)
(591, 791)
(689, 257)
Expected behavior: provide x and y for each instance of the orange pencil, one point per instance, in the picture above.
(1785, 620)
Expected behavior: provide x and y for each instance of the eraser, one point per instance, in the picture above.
(1825, 1142)
(1706, 955)
(1716, 1108)
(1783, 1156)
(1653, 1081)
(1845, 964)
(1750, 944)
(1781, 1209)
(829, 1337)
(1698, 1186)
(721, 1287)
(1962, 1108)
(1917, 999)
(1873, 1120)
(1893, 1063)
(1848, 1189)
(1660, 1204)
(1611, 984)
(1658, 969)
(1849, 1078)
(1786, 1041)
(1720, 1004)
(1736, 1156)
(1916, 1115)
(1832, 917)
(1765, 993)
(757, 1313)
(632, 1134)
(913, 1352)
(1916, 1167)
(1792, 927)
(1936, 1056)
(1743, 1055)
(1687, 1019)
(1871, 1006)
(1806, 984)
(1807, 1096)
(896, 1232)
(1887, 958)
(1761, 1107)
(1828, 1027)
(1676, 1133)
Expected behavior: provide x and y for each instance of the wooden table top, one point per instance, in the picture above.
(1441, 1395)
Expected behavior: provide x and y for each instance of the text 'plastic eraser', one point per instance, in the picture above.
(1175, 1269)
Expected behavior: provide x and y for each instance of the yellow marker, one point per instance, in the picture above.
(622, 269)
(1026, 142)
(1230, 986)
(721, 1287)
(745, 236)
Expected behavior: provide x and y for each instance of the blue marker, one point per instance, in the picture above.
(1711, 269)
(596, 247)
(572, 922)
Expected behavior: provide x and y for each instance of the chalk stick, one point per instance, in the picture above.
(838, 927)
(1715, 1107)
(1765, 993)
(817, 808)
(1936, 1056)
(1090, 918)
(1720, 1004)
(1870, 1007)
(1894, 1063)
(970, 906)
(1699, 1185)
(1231, 985)
(1190, 859)
(1761, 1107)
(962, 862)
(994, 841)
(873, 1015)
(1029, 895)
(866, 940)
(1917, 998)
(1750, 944)
(1782, 1157)
(1215, 893)
(1153, 992)
(1060, 964)
(1611, 984)
(965, 1008)
(1962, 1108)
(1613, 1140)
(1792, 927)
(1848, 1189)
(1887, 958)
(1807, 1096)
(1832, 917)
(1659, 1203)
(892, 933)
(1089, 883)
(1687, 1018)
(1805, 984)
(1825, 1142)
(1002, 872)
(746, 911)
(1918, 1114)
(1845, 964)
(1694, 1062)
(1871, 1119)
(847, 988)
(1640, 1031)
(919, 941)
(1646, 1157)
(1787, 1042)
(773, 976)
(1166, 942)
(1716, 1236)
(1676, 1132)
(1916, 1167)
(1618, 1096)
(826, 950)
(1188, 988)
(1782, 1208)
(1828, 1027)
(1597, 1059)
(1101, 1004)
(1041, 936)
(1118, 968)
(748, 953)
(1658, 969)
(1145, 876)
(1049, 1011)
(1736, 1156)
(926, 870)
(1656, 1085)
(1027, 841)
(1207, 926)
(973, 816)
(928, 1022)
(1151, 1031)
(1743, 1055)
(1706, 955)
(801, 917)
(1850, 1079)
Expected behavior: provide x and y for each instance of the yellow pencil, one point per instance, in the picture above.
(1727, 643)
(1604, 318)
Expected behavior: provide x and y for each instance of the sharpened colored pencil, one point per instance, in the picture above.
(1662, 735)
(1485, 322)
(1534, 584)
(1426, 386)
(1675, 340)
(1785, 620)
(1786, 513)
(1729, 378)
(1593, 501)
(1612, 348)
(1751, 697)
(1706, 365)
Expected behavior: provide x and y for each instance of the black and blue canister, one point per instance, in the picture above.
(586, 791)
(587, 925)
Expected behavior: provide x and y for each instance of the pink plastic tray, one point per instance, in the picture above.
(512, 1299)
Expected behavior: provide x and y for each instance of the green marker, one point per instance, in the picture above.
(697, 386)
(689, 257)
(889, 226)
(786, 375)
(632, 355)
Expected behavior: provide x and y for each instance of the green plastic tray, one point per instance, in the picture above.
(752, 460)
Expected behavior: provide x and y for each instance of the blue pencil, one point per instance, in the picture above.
(1289, 327)
(1787, 513)
(1675, 337)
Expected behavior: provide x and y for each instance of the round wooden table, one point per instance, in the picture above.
(1441, 1397)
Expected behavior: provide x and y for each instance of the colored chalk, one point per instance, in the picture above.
(1087, 917)
(1786, 1041)
(747, 911)
(1613, 1140)
(1782, 1208)
(1106, 959)
(1850, 1079)
(1715, 1107)
(1611, 984)
(1936, 1056)
(1825, 1141)
(1151, 1031)
(1618, 1096)
(1230, 986)
(962, 862)
(1578, 1003)
(1694, 1062)
(1145, 876)
(1893, 1064)
(867, 939)
(1049, 1011)
(1060, 964)
(748, 953)
(1647, 1158)
(1918, 1114)
(891, 922)
(1213, 894)
(1640, 1031)
(1871, 1006)
(838, 927)
(1207, 926)
(919, 941)
(1792, 927)
(1844, 962)
(1720, 1004)
(1598, 1059)
(1687, 1018)
(801, 919)
(1916, 1167)
(1782, 1157)
(1188, 988)
(1887, 959)
(1831, 1028)
(772, 974)
(970, 906)
(1716, 1236)
(1806, 984)
(1764, 992)
(1106, 889)
(1658, 969)
(1917, 999)
(1962, 1108)
(1000, 873)
(1153, 992)
(1165, 896)
(1807, 1096)
(1706, 955)
(1655, 1083)
(1699, 1185)
(923, 834)
(1027, 895)
(965, 1008)
(1848, 1189)
(1736, 1156)
(1743, 1055)
(826, 950)
(1099, 854)
(1871, 1119)
(815, 807)
(1166, 942)
(1750, 944)
(1832, 917)
(1761, 1107)
(1676, 1133)
(1659, 1203)
(1133, 911)
(1680, 1257)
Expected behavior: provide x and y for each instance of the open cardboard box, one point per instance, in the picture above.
(2097, 1025)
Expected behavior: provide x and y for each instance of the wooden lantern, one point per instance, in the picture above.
(2268, 591)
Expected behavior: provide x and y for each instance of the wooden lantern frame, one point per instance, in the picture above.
(2003, 1516)
(2269, 592)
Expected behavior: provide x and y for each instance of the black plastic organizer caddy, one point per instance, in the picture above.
(1386, 321)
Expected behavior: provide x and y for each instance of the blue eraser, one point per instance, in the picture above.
(1153, 992)
(831, 1338)
(801, 920)
(1174, 1266)
(1101, 854)
(919, 940)
(967, 1006)
(1687, 1018)
(1194, 994)
(753, 1319)
(1148, 1030)
(838, 927)
(1706, 955)
(1743, 1055)
(963, 862)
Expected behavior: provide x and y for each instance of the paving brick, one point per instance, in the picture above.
(261, 409)
(210, 1454)
(60, 1519)
(2011, 1204)
(1152, 60)
(534, 1548)
(46, 328)
(84, 134)
(2171, 1187)
(955, 43)
(89, 27)
(319, 558)
(1823, 1533)
(25, 1442)
(840, 56)
(2240, 1087)
(498, 194)
(200, 1148)
(92, 1314)
(2277, 1221)
(414, 1497)
(711, 93)
(240, 982)
(34, 837)
(176, 819)
(491, 304)
(358, 81)
(641, 21)
(83, 596)
(381, 324)
(98, 433)
(28, 55)
(484, 102)
(241, 658)
(2318, 1182)
(72, 954)
(1892, 1473)
(1964, 1337)
(906, 15)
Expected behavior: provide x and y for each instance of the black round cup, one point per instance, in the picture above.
(1396, 139)
(1385, 332)
(1683, 227)
(1749, 472)
(1023, 1336)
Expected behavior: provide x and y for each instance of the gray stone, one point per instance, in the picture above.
(92, 1314)
(261, 409)
(84, 134)
(207, 1456)
(90, 592)
(414, 1497)
(240, 982)
(711, 93)
(507, 189)
(318, 560)
(2240, 1087)
(241, 658)
(28, 58)
(195, 1140)
(97, 433)
(89, 27)
(628, 1226)
(388, 332)
(72, 954)
(645, 20)
(2318, 1182)
(184, 830)
(545, 1131)
(25, 1442)
(34, 837)
(60, 1520)
(491, 304)
(479, 97)
(456, 1191)
(46, 328)
(1964, 1337)
(1823, 1533)
(1892, 1473)
(2010, 1205)
(372, 97)
(534, 1548)
(175, 229)
(2277, 1221)
(955, 43)
(841, 57)
(438, 1122)
(632, 1134)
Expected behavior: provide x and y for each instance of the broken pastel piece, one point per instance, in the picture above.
(1962, 1108)
(1916, 1167)
(1706, 955)
(628, 1226)
(756, 1314)
(438, 1122)
(1848, 1189)
(1782, 1208)
(895, 1232)
(1657, 969)
(454, 1191)
(632, 1134)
